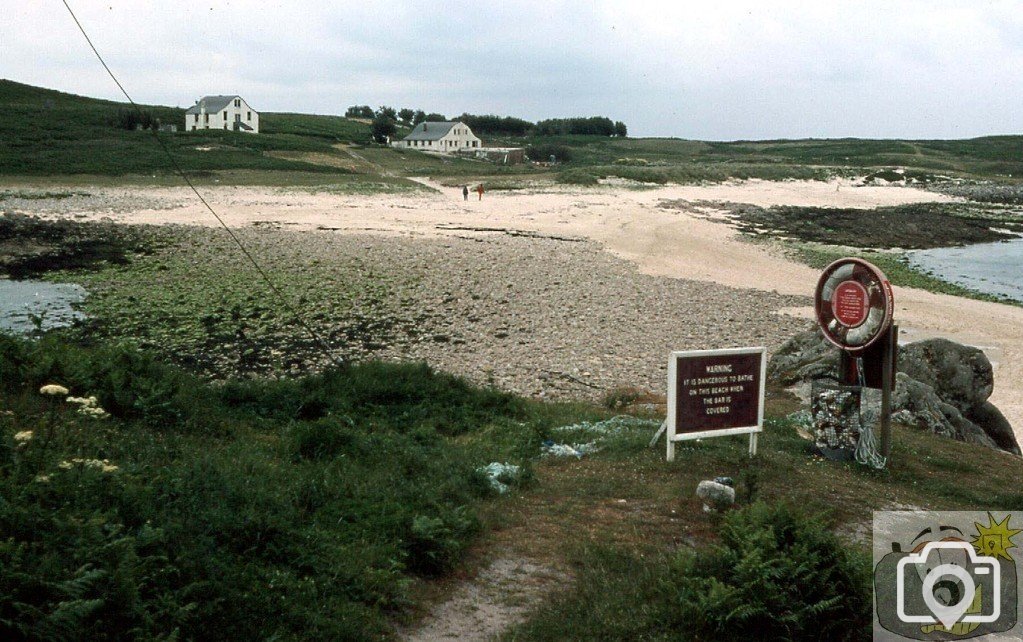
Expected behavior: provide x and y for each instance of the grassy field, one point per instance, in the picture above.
(50, 133)
(993, 157)
(327, 506)
(301, 509)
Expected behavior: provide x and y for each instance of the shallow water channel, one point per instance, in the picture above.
(992, 268)
(24, 304)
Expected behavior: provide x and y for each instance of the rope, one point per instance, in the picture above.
(867, 452)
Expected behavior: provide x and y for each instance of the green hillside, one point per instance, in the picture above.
(49, 132)
(661, 160)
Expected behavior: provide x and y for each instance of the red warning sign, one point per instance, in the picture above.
(850, 303)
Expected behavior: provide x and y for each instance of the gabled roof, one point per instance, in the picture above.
(431, 131)
(211, 104)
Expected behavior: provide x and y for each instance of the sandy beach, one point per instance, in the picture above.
(691, 244)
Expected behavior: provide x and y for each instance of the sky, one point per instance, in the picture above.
(719, 70)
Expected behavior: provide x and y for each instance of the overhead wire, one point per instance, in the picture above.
(317, 340)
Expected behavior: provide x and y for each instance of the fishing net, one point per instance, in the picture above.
(839, 428)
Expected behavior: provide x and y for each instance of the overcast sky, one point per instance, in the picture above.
(711, 70)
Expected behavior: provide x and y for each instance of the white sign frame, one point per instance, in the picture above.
(753, 431)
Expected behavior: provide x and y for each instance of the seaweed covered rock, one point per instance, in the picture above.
(803, 357)
(961, 375)
(915, 403)
(941, 386)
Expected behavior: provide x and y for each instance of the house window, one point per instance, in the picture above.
(207, 118)
(193, 126)
(225, 114)
(237, 102)
(248, 115)
(237, 118)
(225, 125)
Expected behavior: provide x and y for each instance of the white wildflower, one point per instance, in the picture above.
(42, 479)
(101, 464)
(53, 390)
(88, 406)
(23, 437)
(95, 413)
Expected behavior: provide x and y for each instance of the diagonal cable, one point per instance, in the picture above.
(320, 343)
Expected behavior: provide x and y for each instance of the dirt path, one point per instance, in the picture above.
(498, 597)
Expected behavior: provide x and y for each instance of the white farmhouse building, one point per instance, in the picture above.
(222, 112)
(446, 138)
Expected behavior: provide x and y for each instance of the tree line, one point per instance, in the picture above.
(386, 119)
(593, 126)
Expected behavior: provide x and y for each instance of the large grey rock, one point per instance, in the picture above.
(941, 386)
(994, 423)
(715, 496)
(916, 404)
(803, 357)
(960, 375)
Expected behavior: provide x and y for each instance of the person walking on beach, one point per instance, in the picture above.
(479, 190)
(465, 192)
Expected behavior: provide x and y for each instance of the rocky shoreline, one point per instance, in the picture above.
(544, 317)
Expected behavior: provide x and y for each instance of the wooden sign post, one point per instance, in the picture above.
(712, 393)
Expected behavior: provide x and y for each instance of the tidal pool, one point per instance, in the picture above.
(23, 304)
(992, 268)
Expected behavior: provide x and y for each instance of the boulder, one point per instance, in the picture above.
(941, 387)
(803, 357)
(960, 375)
(715, 496)
(995, 425)
(916, 404)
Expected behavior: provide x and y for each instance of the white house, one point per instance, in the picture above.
(446, 138)
(222, 112)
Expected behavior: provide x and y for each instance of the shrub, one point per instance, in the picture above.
(542, 152)
(383, 127)
(359, 111)
(775, 574)
(323, 439)
(592, 126)
(132, 119)
(577, 177)
(435, 543)
(128, 384)
(622, 397)
(310, 519)
(496, 125)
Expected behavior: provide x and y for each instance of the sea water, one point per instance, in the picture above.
(991, 268)
(23, 304)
